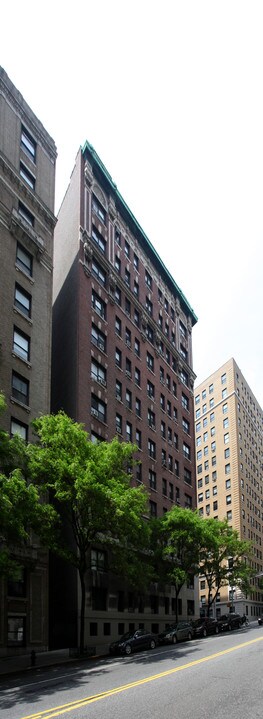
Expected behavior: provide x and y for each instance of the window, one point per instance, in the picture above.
(200, 497)
(187, 476)
(98, 272)
(174, 389)
(226, 438)
(185, 402)
(118, 326)
(136, 288)
(215, 490)
(28, 144)
(128, 337)
(127, 277)
(224, 408)
(24, 260)
(117, 295)
(163, 430)
(224, 393)
(171, 491)
(229, 515)
(151, 419)
(183, 331)
(98, 209)
(118, 357)
(22, 301)
(118, 390)
(169, 408)
(228, 483)
(138, 438)
(150, 361)
(27, 176)
(160, 321)
(186, 425)
(148, 279)
(98, 305)
(199, 455)
(152, 479)
(184, 377)
(137, 376)
(117, 264)
(17, 587)
(164, 487)
(211, 402)
(100, 242)
(127, 307)
(213, 446)
(98, 408)
(197, 399)
(183, 353)
(225, 423)
(20, 388)
(138, 407)
(25, 213)
(149, 306)
(162, 402)
(127, 249)
(137, 347)
(211, 388)
(223, 378)
(128, 399)
(135, 261)
(128, 367)
(117, 236)
(136, 318)
(176, 467)
(19, 428)
(153, 513)
(215, 505)
(149, 333)
(98, 560)
(207, 493)
(150, 389)
(21, 344)
(228, 499)
(151, 449)
(128, 432)
(98, 338)
(98, 373)
(16, 631)
(186, 451)
(227, 469)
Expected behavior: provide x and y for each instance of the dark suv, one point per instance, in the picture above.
(229, 621)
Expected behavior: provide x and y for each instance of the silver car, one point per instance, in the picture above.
(176, 633)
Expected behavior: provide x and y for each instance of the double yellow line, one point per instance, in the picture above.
(78, 704)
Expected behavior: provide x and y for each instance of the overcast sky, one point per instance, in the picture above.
(170, 94)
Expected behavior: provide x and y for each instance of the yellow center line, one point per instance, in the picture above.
(77, 704)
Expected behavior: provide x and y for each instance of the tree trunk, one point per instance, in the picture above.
(82, 612)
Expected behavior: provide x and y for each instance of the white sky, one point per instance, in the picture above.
(170, 95)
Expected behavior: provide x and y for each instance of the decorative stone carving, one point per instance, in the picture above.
(88, 174)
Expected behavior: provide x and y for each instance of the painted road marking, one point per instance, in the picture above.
(79, 703)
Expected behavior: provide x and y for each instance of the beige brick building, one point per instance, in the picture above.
(229, 478)
(27, 186)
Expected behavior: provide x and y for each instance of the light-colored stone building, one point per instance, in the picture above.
(27, 187)
(229, 477)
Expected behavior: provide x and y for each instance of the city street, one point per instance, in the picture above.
(216, 677)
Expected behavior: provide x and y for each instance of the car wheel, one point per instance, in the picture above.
(152, 644)
(174, 639)
(190, 635)
(204, 633)
(128, 649)
(216, 630)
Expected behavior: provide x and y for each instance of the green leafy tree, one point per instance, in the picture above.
(177, 538)
(89, 486)
(20, 508)
(223, 559)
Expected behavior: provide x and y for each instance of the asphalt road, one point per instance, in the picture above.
(218, 677)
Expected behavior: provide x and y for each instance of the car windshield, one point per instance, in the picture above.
(198, 622)
(126, 636)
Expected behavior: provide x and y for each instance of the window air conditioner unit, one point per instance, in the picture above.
(94, 412)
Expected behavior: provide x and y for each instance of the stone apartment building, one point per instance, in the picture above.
(27, 186)
(228, 432)
(121, 364)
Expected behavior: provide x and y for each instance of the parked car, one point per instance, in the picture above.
(204, 626)
(229, 621)
(176, 633)
(134, 641)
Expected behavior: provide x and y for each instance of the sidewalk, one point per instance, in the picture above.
(26, 662)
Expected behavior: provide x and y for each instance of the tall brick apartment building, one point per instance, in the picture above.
(229, 441)
(27, 182)
(122, 364)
